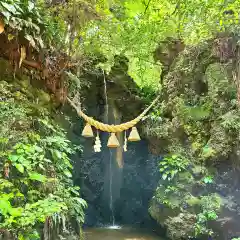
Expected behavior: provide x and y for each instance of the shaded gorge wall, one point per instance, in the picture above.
(130, 186)
(134, 183)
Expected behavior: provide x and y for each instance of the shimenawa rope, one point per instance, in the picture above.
(111, 128)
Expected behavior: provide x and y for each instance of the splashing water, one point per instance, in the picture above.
(114, 227)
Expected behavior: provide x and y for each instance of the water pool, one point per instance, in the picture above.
(119, 233)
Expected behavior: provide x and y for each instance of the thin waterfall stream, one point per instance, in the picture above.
(110, 154)
(110, 189)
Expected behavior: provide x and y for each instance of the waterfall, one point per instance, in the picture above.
(110, 154)
(113, 116)
(110, 188)
(106, 99)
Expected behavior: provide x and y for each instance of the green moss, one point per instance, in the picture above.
(192, 201)
(200, 121)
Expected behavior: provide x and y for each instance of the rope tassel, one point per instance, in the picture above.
(98, 145)
(113, 141)
(134, 135)
(87, 131)
(125, 142)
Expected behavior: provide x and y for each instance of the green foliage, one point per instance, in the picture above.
(199, 119)
(110, 28)
(36, 182)
(189, 112)
(198, 111)
(170, 196)
(172, 165)
(178, 198)
(135, 28)
(23, 16)
(177, 195)
(33, 21)
(208, 179)
(210, 206)
(202, 219)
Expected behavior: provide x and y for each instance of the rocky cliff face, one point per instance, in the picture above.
(198, 121)
(199, 124)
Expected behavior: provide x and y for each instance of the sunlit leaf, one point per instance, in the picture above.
(67, 173)
(6, 14)
(9, 7)
(5, 206)
(30, 6)
(13, 158)
(38, 177)
(164, 176)
(16, 212)
(20, 168)
(31, 40)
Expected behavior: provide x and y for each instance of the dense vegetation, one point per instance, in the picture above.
(36, 186)
(187, 49)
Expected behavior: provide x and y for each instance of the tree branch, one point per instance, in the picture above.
(149, 1)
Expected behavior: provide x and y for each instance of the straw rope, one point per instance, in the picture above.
(111, 128)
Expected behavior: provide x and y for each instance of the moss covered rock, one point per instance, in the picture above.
(200, 122)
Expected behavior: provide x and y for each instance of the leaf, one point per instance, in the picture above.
(67, 162)
(164, 176)
(5, 183)
(37, 176)
(19, 9)
(30, 6)
(56, 155)
(40, 41)
(9, 7)
(5, 206)
(6, 14)
(16, 212)
(208, 179)
(82, 202)
(208, 152)
(47, 160)
(173, 172)
(75, 191)
(38, 149)
(13, 158)
(31, 40)
(67, 173)
(10, 37)
(19, 167)
(23, 55)
(163, 163)
(41, 166)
